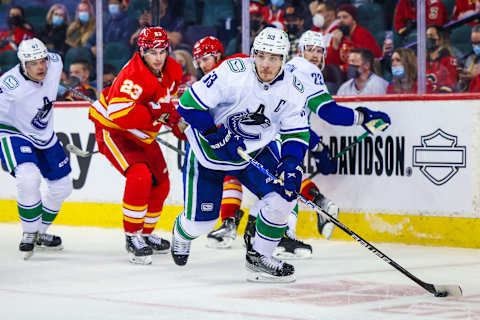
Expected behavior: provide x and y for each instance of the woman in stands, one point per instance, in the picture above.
(404, 71)
(55, 31)
(83, 26)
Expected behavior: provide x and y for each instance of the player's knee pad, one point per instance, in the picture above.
(138, 185)
(60, 189)
(275, 208)
(28, 179)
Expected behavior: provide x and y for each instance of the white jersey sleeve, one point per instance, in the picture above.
(26, 107)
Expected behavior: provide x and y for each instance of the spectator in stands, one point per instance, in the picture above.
(349, 35)
(144, 20)
(109, 74)
(118, 27)
(189, 72)
(83, 26)
(171, 23)
(404, 72)
(324, 19)
(441, 69)
(80, 69)
(362, 80)
(294, 25)
(470, 66)
(464, 8)
(257, 20)
(55, 31)
(273, 13)
(405, 17)
(19, 30)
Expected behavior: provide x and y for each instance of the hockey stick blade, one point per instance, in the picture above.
(77, 151)
(437, 290)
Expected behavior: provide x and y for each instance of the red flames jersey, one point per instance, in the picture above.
(136, 99)
(436, 13)
(442, 73)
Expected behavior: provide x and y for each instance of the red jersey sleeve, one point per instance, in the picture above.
(401, 15)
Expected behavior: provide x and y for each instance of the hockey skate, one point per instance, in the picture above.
(140, 252)
(27, 244)
(49, 242)
(289, 248)
(158, 245)
(180, 249)
(325, 228)
(223, 236)
(261, 268)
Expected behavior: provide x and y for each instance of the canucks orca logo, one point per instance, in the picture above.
(40, 121)
(236, 121)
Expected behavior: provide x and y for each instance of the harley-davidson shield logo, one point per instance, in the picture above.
(439, 157)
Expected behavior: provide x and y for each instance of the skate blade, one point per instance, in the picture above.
(300, 254)
(215, 244)
(45, 248)
(27, 255)
(140, 260)
(164, 251)
(328, 230)
(263, 277)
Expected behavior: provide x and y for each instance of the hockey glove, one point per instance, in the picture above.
(369, 119)
(224, 143)
(322, 160)
(290, 171)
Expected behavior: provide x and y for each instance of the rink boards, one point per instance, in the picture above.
(418, 182)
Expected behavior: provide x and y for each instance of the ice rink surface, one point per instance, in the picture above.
(92, 279)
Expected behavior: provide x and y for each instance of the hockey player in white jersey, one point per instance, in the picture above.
(308, 66)
(29, 146)
(246, 103)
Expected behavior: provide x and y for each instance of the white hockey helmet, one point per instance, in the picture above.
(315, 39)
(30, 50)
(272, 40)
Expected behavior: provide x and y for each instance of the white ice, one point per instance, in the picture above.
(92, 279)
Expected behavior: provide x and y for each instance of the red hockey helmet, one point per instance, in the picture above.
(152, 37)
(206, 46)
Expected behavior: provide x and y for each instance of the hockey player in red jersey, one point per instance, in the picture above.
(127, 118)
(208, 53)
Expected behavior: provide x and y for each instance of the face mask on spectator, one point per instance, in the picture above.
(114, 9)
(83, 16)
(431, 44)
(277, 3)
(14, 21)
(318, 20)
(398, 71)
(345, 30)
(476, 49)
(57, 20)
(292, 29)
(352, 72)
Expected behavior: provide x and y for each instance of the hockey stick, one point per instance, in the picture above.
(437, 290)
(79, 152)
(359, 139)
(85, 154)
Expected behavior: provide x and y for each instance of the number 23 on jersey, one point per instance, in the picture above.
(132, 89)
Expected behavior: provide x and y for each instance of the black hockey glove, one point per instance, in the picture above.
(369, 120)
(290, 171)
(224, 143)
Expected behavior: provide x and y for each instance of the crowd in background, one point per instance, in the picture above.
(370, 44)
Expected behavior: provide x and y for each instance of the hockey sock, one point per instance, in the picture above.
(190, 230)
(292, 222)
(231, 198)
(271, 223)
(58, 191)
(135, 198)
(28, 178)
(155, 206)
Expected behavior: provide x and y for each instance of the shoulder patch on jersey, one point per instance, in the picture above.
(11, 82)
(236, 65)
(298, 85)
(53, 57)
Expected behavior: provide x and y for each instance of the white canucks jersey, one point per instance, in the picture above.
(256, 111)
(312, 77)
(26, 107)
